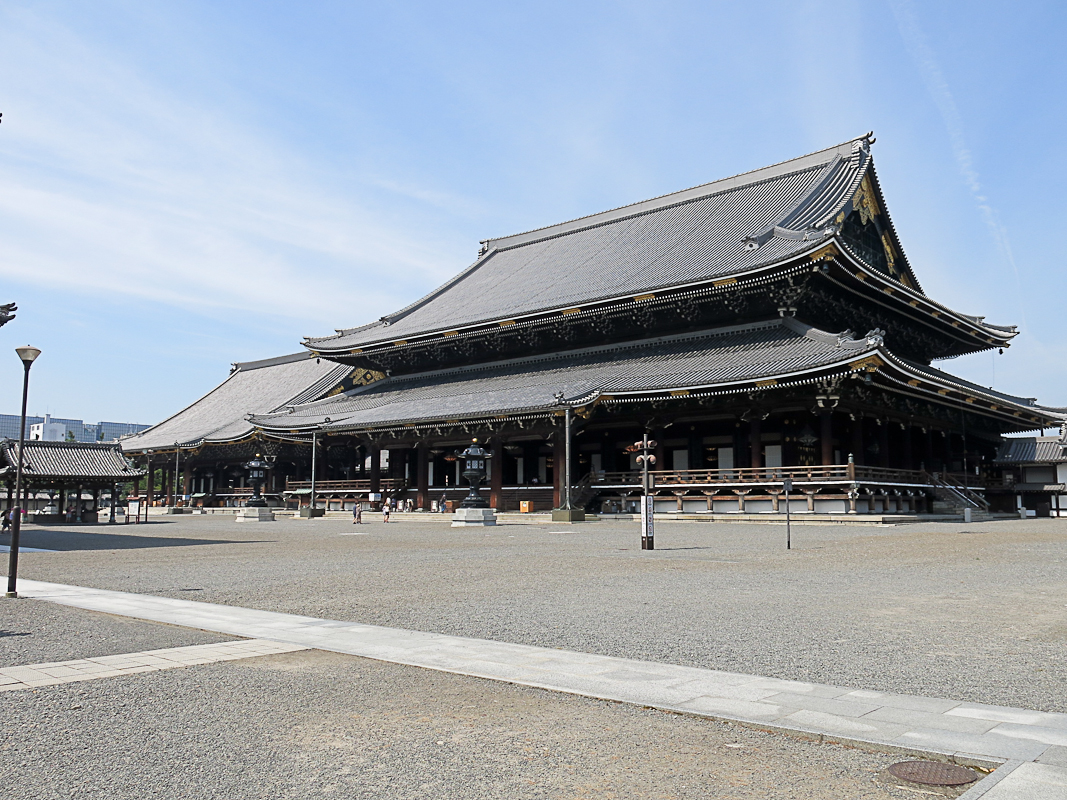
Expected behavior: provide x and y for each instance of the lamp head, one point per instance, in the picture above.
(28, 354)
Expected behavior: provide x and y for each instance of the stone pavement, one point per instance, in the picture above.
(1031, 745)
(87, 669)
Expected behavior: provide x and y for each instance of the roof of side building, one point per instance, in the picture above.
(255, 387)
(1032, 450)
(68, 460)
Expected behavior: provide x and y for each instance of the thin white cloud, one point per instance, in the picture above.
(922, 54)
(114, 184)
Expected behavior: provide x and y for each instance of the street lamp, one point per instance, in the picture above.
(646, 459)
(28, 355)
(257, 473)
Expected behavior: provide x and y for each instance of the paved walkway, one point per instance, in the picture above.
(967, 733)
(87, 669)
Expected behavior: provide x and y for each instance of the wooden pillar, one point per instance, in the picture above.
(907, 456)
(883, 444)
(857, 441)
(422, 477)
(78, 507)
(755, 443)
(150, 481)
(928, 450)
(496, 475)
(375, 469)
(826, 436)
(114, 502)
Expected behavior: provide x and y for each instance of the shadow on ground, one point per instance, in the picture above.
(93, 538)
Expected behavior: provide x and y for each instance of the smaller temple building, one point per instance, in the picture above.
(65, 472)
(1033, 472)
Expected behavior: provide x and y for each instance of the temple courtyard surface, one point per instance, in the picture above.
(956, 617)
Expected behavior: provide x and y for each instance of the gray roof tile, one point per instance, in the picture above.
(689, 236)
(54, 460)
(1032, 450)
(716, 358)
(253, 387)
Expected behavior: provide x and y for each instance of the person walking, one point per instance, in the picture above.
(385, 512)
(6, 526)
(357, 514)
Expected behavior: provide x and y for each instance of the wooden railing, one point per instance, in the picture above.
(356, 485)
(766, 475)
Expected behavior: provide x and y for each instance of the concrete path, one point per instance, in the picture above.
(1032, 745)
(86, 669)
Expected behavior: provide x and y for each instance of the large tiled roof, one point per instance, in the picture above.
(1032, 450)
(690, 236)
(719, 358)
(73, 460)
(253, 387)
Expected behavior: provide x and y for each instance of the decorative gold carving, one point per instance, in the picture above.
(725, 282)
(679, 392)
(864, 201)
(824, 253)
(869, 364)
(506, 323)
(567, 311)
(641, 298)
(450, 333)
(357, 377)
(400, 343)
(768, 382)
(913, 382)
(890, 251)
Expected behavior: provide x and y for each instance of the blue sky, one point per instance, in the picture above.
(189, 184)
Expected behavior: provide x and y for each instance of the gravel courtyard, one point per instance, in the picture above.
(969, 612)
(319, 725)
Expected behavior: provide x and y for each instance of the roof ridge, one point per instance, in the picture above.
(245, 366)
(660, 201)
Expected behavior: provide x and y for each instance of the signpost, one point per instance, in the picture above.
(787, 486)
(648, 540)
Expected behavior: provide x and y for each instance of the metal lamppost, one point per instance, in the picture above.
(257, 472)
(28, 355)
(646, 459)
(787, 487)
(475, 457)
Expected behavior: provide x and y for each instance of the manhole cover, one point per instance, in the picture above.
(933, 773)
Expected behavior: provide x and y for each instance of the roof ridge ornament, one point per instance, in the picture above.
(875, 337)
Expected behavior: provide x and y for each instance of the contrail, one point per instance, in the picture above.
(923, 56)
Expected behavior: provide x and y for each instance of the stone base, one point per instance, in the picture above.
(568, 515)
(254, 515)
(469, 517)
(308, 513)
